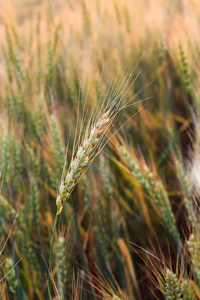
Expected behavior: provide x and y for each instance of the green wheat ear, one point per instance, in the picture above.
(186, 185)
(8, 213)
(5, 155)
(53, 178)
(10, 277)
(172, 286)
(50, 66)
(155, 189)
(177, 288)
(194, 248)
(34, 161)
(57, 146)
(14, 57)
(184, 67)
(105, 172)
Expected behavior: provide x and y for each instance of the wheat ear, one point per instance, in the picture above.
(84, 156)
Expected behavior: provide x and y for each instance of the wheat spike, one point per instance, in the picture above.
(85, 155)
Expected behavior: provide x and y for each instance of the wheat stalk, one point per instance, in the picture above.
(86, 153)
(92, 144)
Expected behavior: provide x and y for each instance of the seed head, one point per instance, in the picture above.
(84, 156)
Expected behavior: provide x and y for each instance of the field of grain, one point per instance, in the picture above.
(100, 149)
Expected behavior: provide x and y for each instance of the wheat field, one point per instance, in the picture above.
(100, 149)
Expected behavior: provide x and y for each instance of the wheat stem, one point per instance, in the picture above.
(51, 253)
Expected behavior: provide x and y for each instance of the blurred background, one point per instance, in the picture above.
(130, 229)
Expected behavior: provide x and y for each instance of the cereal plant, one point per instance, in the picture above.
(100, 149)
